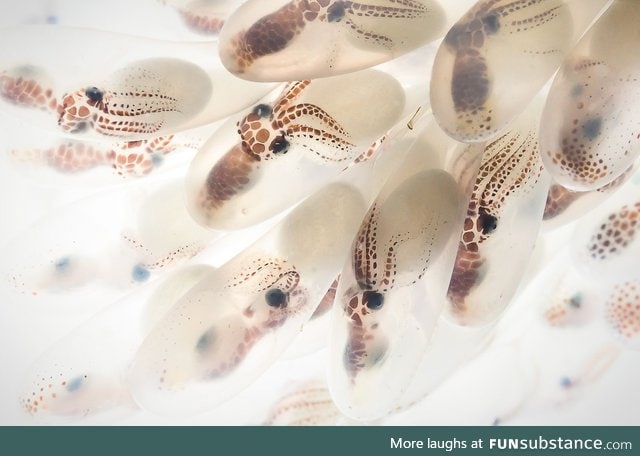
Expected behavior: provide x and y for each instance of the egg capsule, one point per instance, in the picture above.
(286, 147)
(589, 135)
(81, 376)
(235, 322)
(112, 85)
(110, 240)
(391, 288)
(503, 217)
(286, 40)
(478, 82)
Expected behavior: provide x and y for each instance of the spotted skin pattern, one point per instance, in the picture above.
(153, 261)
(471, 79)
(201, 23)
(381, 262)
(622, 311)
(131, 158)
(375, 276)
(308, 405)
(268, 132)
(327, 300)
(67, 157)
(273, 32)
(593, 115)
(510, 166)
(371, 151)
(114, 113)
(205, 17)
(615, 234)
(564, 307)
(128, 159)
(560, 198)
(24, 90)
(111, 113)
(278, 283)
(47, 392)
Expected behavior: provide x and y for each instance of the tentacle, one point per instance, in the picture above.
(22, 87)
(289, 95)
(325, 145)
(299, 111)
(365, 252)
(68, 157)
(266, 273)
(411, 10)
(370, 36)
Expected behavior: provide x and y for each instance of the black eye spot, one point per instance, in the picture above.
(491, 23)
(488, 223)
(262, 110)
(276, 298)
(205, 341)
(454, 35)
(94, 94)
(373, 300)
(592, 128)
(80, 127)
(280, 145)
(576, 301)
(335, 12)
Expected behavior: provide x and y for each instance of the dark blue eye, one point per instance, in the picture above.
(373, 300)
(576, 301)
(262, 110)
(280, 145)
(94, 94)
(487, 223)
(491, 24)
(276, 298)
(335, 12)
(206, 340)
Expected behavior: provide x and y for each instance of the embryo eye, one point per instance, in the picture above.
(373, 300)
(94, 94)
(280, 145)
(276, 298)
(262, 110)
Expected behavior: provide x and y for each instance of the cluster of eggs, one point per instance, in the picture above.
(400, 204)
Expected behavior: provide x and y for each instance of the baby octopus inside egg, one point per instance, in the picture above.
(477, 86)
(284, 149)
(149, 88)
(392, 287)
(204, 16)
(590, 134)
(82, 375)
(420, 279)
(285, 40)
(238, 320)
(503, 217)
